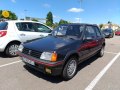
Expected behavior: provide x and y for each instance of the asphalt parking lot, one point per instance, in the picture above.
(93, 74)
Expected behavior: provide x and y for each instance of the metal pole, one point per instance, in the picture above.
(25, 12)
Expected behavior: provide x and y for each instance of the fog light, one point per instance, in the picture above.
(48, 70)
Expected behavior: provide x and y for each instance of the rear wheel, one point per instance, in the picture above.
(70, 68)
(12, 49)
(101, 52)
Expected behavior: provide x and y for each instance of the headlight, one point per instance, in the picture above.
(20, 48)
(49, 56)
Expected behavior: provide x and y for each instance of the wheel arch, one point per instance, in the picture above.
(103, 44)
(73, 54)
(15, 41)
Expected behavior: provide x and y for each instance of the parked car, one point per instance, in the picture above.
(12, 33)
(108, 33)
(60, 53)
(117, 32)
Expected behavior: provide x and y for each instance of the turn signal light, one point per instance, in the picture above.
(54, 57)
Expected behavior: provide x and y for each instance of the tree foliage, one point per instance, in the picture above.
(101, 25)
(11, 17)
(63, 22)
(109, 22)
(55, 25)
(49, 19)
(35, 20)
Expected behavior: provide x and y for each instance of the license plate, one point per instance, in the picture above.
(28, 61)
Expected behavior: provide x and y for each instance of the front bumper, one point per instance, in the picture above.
(107, 36)
(52, 68)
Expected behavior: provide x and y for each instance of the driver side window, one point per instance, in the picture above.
(90, 32)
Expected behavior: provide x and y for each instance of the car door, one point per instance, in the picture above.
(99, 38)
(26, 31)
(41, 30)
(89, 42)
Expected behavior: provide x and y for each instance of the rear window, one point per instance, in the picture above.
(3, 25)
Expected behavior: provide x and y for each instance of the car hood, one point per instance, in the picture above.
(49, 43)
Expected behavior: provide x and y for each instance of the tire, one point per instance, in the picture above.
(112, 36)
(70, 69)
(11, 50)
(101, 52)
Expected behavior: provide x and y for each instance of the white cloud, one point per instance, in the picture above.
(76, 10)
(46, 5)
(14, 1)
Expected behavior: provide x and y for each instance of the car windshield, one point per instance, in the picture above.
(3, 25)
(107, 30)
(68, 30)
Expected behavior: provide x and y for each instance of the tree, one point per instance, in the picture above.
(11, 17)
(109, 22)
(63, 22)
(101, 25)
(49, 19)
(55, 25)
(35, 20)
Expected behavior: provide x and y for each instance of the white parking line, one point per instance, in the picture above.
(99, 76)
(10, 63)
(110, 52)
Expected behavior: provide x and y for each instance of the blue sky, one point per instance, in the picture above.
(89, 11)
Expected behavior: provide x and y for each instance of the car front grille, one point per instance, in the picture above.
(32, 53)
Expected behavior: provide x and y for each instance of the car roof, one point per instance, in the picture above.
(80, 24)
(21, 21)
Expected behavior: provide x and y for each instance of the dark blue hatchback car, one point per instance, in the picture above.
(108, 33)
(62, 51)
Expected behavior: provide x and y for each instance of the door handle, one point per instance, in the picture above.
(22, 34)
(41, 35)
(97, 40)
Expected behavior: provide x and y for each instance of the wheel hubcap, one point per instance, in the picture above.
(71, 68)
(102, 51)
(13, 49)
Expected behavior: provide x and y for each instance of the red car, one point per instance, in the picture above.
(117, 32)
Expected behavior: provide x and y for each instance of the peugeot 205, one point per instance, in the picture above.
(62, 51)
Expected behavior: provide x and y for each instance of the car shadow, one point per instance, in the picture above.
(87, 62)
(58, 79)
(3, 55)
(53, 79)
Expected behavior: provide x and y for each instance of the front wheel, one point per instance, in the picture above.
(11, 50)
(70, 69)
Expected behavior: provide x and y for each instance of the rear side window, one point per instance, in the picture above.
(25, 26)
(3, 25)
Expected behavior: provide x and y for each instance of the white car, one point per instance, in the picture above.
(13, 33)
